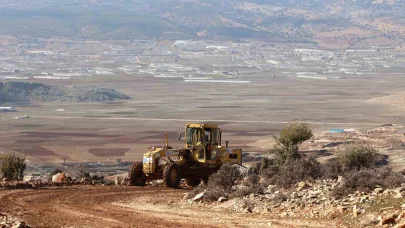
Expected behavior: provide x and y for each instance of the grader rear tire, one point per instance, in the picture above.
(172, 175)
(136, 175)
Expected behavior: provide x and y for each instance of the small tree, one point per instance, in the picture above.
(12, 167)
(289, 139)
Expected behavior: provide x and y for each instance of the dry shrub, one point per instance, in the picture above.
(333, 169)
(219, 184)
(12, 166)
(295, 171)
(356, 157)
(366, 180)
(279, 198)
(213, 193)
(225, 178)
(252, 186)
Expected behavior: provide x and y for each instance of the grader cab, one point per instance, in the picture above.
(203, 154)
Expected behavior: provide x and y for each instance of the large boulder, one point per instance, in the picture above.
(59, 178)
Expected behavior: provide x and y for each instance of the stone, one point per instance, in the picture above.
(283, 214)
(355, 211)
(401, 225)
(314, 194)
(363, 199)
(118, 180)
(302, 185)
(199, 196)
(59, 178)
(271, 188)
(398, 196)
(389, 219)
(369, 220)
(294, 195)
(28, 178)
(222, 199)
(342, 209)
(385, 208)
(378, 190)
(247, 210)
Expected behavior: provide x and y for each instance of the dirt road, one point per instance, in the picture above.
(102, 206)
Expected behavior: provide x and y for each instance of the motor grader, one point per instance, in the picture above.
(203, 154)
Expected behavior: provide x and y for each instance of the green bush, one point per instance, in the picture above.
(12, 167)
(288, 140)
(294, 134)
(357, 157)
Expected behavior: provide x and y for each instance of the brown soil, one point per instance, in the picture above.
(106, 152)
(33, 150)
(102, 206)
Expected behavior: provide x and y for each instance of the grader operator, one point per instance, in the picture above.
(203, 154)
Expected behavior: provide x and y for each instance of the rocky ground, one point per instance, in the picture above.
(306, 204)
(382, 207)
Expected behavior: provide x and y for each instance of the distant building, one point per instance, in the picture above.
(7, 109)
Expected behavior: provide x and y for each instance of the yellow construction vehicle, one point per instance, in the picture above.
(203, 154)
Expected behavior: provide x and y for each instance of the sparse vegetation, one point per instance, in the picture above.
(294, 171)
(12, 166)
(366, 180)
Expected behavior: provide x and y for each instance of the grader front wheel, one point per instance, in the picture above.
(172, 175)
(136, 175)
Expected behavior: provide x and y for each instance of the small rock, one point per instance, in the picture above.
(342, 208)
(222, 199)
(363, 199)
(401, 225)
(271, 188)
(199, 196)
(390, 219)
(302, 185)
(284, 214)
(355, 211)
(294, 195)
(247, 210)
(378, 190)
(118, 180)
(385, 208)
(369, 220)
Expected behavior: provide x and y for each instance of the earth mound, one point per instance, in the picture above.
(37, 92)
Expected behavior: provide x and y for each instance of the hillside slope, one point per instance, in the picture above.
(347, 22)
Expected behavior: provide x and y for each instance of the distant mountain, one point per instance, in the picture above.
(343, 22)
